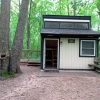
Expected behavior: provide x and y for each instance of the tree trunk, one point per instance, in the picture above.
(28, 26)
(99, 23)
(28, 34)
(68, 10)
(74, 8)
(19, 4)
(18, 40)
(4, 32)
(60, 6)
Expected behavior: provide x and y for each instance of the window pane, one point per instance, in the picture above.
(51, 25)
(66, 25)
(81, 25)
(87, 48)
(87, 51)
(87, 44)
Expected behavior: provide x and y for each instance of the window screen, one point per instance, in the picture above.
(87, 48)
(66, 25)
(51, 25)
(81, 25)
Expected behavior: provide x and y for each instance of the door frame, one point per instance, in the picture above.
(44, 52)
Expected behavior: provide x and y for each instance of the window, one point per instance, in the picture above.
(66, 25)
(81, 25)
(51, 25)
(87, 48)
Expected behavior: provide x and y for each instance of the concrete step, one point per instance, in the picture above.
(51, 70)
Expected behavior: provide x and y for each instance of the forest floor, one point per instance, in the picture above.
(29, 86)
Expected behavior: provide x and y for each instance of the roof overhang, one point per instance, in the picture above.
(69, 32)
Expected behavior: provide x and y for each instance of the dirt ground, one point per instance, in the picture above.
(28, 86)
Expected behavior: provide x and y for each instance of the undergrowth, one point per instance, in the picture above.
(5, 74)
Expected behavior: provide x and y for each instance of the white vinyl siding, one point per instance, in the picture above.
(87, 47)
(69, 55)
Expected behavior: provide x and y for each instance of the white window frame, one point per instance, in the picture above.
(87, 54)
(44, 60)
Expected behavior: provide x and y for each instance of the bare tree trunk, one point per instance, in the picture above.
(74, 8)
(68, 10)
(19, 4)
(99, 22)
(60, 6)
(28, 27)
(28, 34)
(0, 7)
(18, 40)
(4, 32)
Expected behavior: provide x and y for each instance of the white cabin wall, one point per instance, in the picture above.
(69, 55)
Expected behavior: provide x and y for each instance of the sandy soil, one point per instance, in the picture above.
(28, 86)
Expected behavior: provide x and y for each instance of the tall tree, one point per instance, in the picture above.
(73, 3)
(68, 8)
(98, 11)
(18, 39)
(4, 31)
(40, 7)
(28, 25)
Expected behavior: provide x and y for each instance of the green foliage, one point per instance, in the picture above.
(5, 74)
(37, 8)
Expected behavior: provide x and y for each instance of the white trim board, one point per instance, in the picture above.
(65, 20)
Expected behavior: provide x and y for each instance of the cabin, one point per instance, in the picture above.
(68, 43)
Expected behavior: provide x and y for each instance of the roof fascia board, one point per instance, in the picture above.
(65, 20)
(67, 17)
